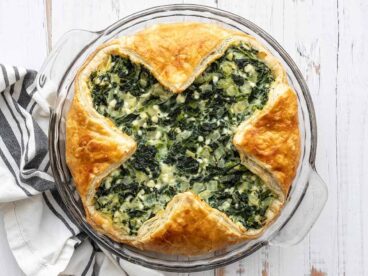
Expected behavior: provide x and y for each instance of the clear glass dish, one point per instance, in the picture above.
(307, 195)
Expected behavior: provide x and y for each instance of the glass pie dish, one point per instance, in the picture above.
(306, 197)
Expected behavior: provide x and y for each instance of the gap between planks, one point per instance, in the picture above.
(48, 18)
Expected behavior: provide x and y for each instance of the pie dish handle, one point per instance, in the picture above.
(305, 215)
(69, 47)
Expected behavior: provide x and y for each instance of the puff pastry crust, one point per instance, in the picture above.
(268, 142)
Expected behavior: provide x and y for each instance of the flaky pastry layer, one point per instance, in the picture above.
(268, 142)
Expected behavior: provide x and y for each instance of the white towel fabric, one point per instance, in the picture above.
(41, 236)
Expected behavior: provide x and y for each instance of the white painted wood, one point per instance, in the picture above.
(328, 41)
(352, 130)
(22, 33)
(314, 47)
(93, 15)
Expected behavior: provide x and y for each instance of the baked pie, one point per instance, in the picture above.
(182, 138)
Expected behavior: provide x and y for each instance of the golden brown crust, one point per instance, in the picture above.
(191, 227)
(188, 226)
(90, 149)
(176, 54)
(272, 137)
(93, 144)
(174, 51)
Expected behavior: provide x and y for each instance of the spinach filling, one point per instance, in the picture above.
(184, 140)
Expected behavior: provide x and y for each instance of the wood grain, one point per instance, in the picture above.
(308, 31)
(352, 130)
(48, 17)
(329, 42)
(22, 33)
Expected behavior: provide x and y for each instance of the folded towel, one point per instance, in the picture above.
(43, 239)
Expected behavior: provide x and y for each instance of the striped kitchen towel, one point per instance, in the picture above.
(42, 238)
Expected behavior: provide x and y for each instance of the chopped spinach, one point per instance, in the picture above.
(184, 140)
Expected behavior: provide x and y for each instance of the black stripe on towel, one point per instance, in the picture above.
(87, 268)
(48, 203)
(10, 168)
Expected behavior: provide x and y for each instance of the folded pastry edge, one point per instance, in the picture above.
(83, 114)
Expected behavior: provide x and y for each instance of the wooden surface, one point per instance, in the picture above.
(329, 42)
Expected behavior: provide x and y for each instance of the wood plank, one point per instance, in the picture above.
(48, 16)
(352, 133)
(313, 44)
(93, 15)
(268, 15)
(22, 33)
(308, 31)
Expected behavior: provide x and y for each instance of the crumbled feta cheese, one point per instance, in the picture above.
(112, 103)
(154, 119)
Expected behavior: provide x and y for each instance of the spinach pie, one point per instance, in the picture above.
(182, 138)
